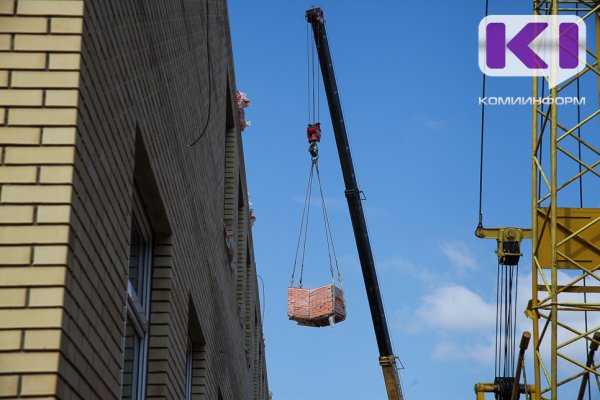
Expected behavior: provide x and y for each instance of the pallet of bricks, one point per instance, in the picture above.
(317, 307)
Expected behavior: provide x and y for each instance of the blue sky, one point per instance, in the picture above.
(409, 83)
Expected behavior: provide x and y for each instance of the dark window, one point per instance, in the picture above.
(138, 305)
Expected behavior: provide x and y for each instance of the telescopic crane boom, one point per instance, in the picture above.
(387, 359)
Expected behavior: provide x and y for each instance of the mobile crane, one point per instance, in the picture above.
(387, 359)
(564, 238)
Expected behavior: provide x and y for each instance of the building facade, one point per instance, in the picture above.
(127, 268)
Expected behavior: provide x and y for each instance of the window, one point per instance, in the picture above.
(196, 359)
(195, 380)
(189, 370)
(138, 304)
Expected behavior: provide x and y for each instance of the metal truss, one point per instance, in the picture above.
(566, 236)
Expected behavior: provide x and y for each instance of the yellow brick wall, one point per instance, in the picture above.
(80, 95)
(40, 42)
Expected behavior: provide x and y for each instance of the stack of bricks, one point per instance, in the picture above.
(314, 307)
(298, 304)
(40, 43)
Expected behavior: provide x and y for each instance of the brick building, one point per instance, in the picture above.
(127, 269)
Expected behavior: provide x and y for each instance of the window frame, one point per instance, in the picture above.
(189, 370)
(138, 304)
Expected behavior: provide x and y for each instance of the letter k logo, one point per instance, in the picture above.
(519, 45)
(532, 45)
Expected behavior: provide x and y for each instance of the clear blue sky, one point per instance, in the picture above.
(409, 83)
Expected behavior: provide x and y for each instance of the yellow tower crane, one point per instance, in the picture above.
(565, 233)
(565, 239)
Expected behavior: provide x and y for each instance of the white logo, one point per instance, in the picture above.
(532, 45)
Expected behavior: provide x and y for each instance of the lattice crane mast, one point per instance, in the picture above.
(565, 235)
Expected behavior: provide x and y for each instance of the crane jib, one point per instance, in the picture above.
(387, 359)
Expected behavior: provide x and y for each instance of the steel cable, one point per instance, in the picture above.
(328, 233)
(308, 72)
(209, 68)
(506, 321)
(303, 235)
(481, 147)
(304, 214)
(306, 225)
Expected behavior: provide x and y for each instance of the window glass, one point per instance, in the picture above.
(138, 306)
(131, 366)
(134, 255)
(189, 374)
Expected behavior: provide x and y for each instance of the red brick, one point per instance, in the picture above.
(313, 307)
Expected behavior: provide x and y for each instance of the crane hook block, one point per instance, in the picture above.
(509, 242)
(313, 132)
